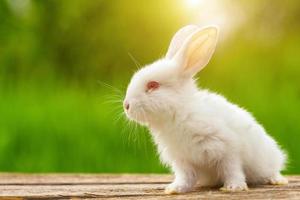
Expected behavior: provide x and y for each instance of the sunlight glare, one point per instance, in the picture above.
(194, 3)
(224, 14)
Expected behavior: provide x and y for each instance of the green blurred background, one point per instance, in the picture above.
(58, 115)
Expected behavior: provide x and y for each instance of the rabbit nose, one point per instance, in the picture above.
(126, 105)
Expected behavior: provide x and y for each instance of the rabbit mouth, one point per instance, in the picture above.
(137, 114)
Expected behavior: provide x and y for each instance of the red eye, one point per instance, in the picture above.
(152, 85)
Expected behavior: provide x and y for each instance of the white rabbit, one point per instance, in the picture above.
(203, 138)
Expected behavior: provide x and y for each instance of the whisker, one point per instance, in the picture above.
(109, 86)
(144, 135)
(113, 96)
(130, 135)
(118, 102)
(119, 116)
(137, 64)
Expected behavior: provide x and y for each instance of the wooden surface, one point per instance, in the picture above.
(76, 186)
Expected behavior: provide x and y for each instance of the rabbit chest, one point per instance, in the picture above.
(183, 144)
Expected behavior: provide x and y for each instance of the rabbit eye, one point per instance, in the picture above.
(152, 85)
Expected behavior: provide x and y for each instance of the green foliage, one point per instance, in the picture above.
(56, 117)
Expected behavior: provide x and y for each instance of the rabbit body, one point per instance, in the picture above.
(204, 138)
(214, 142)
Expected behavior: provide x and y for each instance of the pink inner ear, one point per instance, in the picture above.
(197, 50)
(152, 85)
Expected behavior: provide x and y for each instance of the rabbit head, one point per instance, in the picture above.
(157, 90)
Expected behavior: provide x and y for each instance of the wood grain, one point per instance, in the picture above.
(126, 186)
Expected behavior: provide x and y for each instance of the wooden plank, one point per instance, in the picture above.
(58, 179)
(106, 186)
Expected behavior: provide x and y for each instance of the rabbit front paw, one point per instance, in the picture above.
(234, 187)
(177, 188)
(278, 180)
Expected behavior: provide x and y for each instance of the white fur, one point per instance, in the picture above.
(204, 138)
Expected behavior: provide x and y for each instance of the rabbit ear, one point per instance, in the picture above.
(197, 50)
(179, 38)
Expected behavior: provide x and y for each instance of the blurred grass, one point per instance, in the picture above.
(68, 130)
(55, 117)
